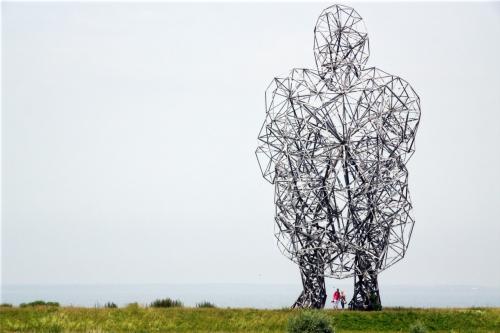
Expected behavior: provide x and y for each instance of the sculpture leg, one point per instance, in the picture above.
(313, 281)
(366, 293)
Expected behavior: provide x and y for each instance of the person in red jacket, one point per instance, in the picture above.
(336, 298)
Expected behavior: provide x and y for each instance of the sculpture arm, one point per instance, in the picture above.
(272, 136)
(399, 119)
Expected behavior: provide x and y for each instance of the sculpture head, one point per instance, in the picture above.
(340, 42)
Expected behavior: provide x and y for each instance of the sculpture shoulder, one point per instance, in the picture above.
(399, 107)
(376, 79)
(298, 80)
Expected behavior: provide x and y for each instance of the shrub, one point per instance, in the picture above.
(205, 304)
(110, 305)
(56, 304)
(6, 305)
(311, 322)
(166, 303)
(418, 327)
(133, 308)
(39, 303)
(133, 305)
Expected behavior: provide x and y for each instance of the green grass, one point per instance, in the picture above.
(138, 319)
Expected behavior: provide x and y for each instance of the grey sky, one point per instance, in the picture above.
(128, 133)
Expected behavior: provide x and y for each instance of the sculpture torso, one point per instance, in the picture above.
(340, 171)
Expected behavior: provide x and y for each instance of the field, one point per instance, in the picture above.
(138, 319)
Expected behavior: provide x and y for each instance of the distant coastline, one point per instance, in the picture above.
(260, 296)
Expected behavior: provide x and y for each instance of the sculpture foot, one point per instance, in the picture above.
(309, 301)
(366, 293)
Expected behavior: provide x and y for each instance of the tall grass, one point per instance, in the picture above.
(183, 320)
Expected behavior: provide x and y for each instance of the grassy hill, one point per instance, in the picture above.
(138, 319)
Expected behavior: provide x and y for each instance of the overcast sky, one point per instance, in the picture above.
(129, 130)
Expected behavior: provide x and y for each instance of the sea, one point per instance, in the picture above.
(261, 296)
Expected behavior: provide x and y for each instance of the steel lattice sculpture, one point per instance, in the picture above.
(334, 144)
